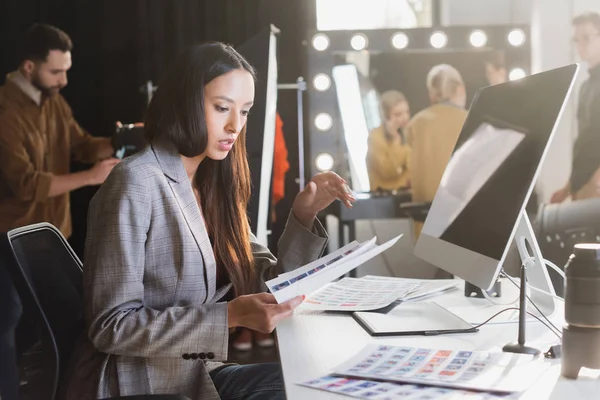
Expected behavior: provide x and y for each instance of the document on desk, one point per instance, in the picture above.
(424, 289)
(471, 370)
(313, 276)
(358, 294)
(367, 389)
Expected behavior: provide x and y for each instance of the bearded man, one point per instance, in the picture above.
(39, 136)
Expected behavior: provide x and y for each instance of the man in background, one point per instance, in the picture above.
(586, 157)
(39, 135)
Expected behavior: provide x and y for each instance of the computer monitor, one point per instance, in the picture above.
(480, 204)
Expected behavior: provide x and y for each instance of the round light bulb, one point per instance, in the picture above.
(438, 40)
(324, 162)
(517, 73)
(323, 122)
(400, 40)
(516, 37)
(359, 42)
(478, 38)
(321, 82)
(320, 42)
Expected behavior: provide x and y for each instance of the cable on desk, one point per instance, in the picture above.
(555, 268)
(512, 309)
(531, 287)
(556, 330)
(543, 291)
(496, 302)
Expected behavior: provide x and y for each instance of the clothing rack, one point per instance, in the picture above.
(299, 86)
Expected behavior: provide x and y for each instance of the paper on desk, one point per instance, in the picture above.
(477, 370)
(351, 248)
(287, 280)
(315, 275)
(367, 389)
(358, 294)
(424, 288)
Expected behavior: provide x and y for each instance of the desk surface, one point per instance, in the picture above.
(312, 343)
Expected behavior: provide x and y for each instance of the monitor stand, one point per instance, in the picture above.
(532, 259)
(533, 272)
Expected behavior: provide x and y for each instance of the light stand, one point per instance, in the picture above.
(519, 347)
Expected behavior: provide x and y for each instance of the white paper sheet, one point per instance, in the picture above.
(425, 288)
(326, 260)
(307, 279)
(479, 370)
(358, 294)
(366, 389)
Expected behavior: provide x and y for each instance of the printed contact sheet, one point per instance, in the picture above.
(368, 389)
(479, 370)
(359, 294)
(313, 276)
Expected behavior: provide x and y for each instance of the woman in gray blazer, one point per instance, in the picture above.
(170, 263)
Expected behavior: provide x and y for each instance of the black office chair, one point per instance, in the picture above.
(47, 275)
(10, 313)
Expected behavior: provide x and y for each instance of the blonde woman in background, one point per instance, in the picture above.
(388, 154)
(433, 132)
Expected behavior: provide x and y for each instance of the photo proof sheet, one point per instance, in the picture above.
(359, 294)
(365, 389)
(307, 279)
(461, 369)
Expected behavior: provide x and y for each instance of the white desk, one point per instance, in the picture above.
(312, 343)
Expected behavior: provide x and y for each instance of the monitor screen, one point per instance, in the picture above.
(491, 174)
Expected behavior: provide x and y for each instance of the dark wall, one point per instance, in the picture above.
(119, 45)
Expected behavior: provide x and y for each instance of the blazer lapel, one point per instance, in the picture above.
(171, 165)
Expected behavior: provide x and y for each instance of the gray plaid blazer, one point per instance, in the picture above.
(149, 280)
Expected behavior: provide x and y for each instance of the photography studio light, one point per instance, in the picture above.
(516, 73)
(359, 42)
(516, 37)
(438, 40)
(321, 82)
(323, 122)
(400, 40)
(324, 162)
(320, 42)
(478, 38)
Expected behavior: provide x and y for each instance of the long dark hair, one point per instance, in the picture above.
(176, 116)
